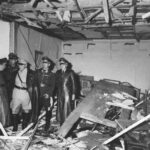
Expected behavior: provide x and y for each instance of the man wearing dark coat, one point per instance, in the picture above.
(4, 106)
(25, 95)
(66, 90)
(10, 73)
(46, 80)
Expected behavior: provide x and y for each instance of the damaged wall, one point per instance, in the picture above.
(124, 60)
(28, 41)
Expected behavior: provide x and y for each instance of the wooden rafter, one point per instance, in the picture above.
(81, 11)
(133, 11)
(106, 11)
(101, 9)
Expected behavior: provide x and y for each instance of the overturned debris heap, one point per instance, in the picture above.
(112, 115)
(113, 107)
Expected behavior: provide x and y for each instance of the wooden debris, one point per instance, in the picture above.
(30, 138)
(3, 130)
(14, 137)
(127, 129)
(94, 105)
(93, 118)
(120, 105)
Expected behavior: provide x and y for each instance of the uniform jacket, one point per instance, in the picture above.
(9, 76)
(46, 82)
(4, 106)
(33, 89)
(65, 86)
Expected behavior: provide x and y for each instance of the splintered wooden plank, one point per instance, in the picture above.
(14, 137)
(97, 120)
(127, 129)
(3, 130)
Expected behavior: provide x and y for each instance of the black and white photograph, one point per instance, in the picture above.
(74, 74)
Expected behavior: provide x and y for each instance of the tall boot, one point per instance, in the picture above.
(48, 117)
(25, 117)
(15, 122)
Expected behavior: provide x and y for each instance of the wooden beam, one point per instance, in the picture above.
(14, 137)
(3, 130)
(133, 11)
(106, 11)
(95, 119)
(101, 9)
(127, 129)
(81, 11)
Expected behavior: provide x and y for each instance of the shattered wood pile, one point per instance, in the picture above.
(110, 110)
(110, 105)
(34, 138)
(95, 105)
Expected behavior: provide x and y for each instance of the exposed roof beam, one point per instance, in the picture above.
(81, 11)
(101, 9)
(132, 11)
(106, 11)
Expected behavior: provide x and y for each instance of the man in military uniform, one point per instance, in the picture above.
(10, 73)
(9, 76)
(66, 90)
(46, 80)
(25, 95)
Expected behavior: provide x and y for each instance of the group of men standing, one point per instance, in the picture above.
(30, 91)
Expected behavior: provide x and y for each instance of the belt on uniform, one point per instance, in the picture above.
(20, 88)
(2, 85)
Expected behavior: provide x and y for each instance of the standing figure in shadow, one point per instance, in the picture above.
(65, 87)
(10, 73)
(46, 81)
(4, 106)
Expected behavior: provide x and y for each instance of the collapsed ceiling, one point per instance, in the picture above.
(82, 19)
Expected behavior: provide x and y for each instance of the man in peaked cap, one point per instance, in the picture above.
(10, 73)
(25, 95)
(46, 80)
(65, 86)
(12, 56)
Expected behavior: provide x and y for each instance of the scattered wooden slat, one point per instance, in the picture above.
(120, 105)
(30, 138)
(14, 137)
(3, 130)
(99, 120)
(31, 125)
(25, 130)
(129, 96)
(127, 129)
(7, 146)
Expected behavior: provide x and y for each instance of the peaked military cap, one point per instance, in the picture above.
(45, 58)
(3, 60)
(12, 56)
(63, 61)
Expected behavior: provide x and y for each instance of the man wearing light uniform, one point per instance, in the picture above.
(21, 97)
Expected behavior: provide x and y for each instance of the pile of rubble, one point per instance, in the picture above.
(110, 116)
